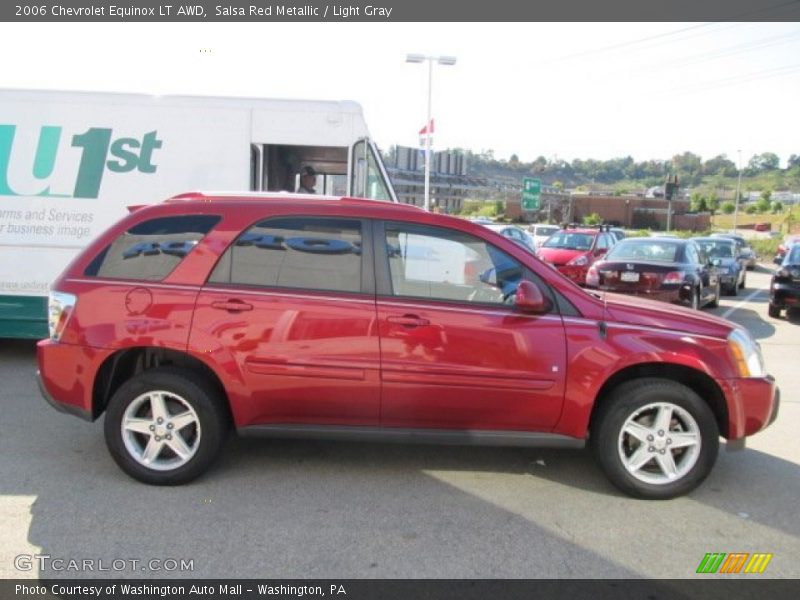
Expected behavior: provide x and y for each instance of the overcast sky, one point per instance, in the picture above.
(591, 90)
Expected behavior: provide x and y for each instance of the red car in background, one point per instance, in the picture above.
(574, 249)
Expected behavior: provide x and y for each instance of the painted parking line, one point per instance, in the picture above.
(742, 302)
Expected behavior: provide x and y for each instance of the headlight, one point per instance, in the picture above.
(59, 310)
(581, 261)
(746, 354)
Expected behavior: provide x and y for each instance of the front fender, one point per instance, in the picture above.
(598, 353)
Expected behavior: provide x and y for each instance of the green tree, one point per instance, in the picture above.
(728, 207)
(713, 203)
(762, 205)
(766, 161)
(777, 206)
(592, 219)
(751, 209)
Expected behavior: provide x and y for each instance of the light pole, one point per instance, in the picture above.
(442, 60)
(738, 194)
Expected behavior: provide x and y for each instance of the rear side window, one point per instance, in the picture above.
(306, 253)
(150, 250)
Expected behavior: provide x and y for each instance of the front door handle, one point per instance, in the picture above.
(232, 305)
(408, 320)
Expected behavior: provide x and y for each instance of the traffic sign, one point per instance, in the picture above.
(531, 193)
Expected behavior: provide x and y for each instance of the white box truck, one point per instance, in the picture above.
(71, 162)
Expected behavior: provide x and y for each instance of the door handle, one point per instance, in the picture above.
(408, 320)
(232, 305)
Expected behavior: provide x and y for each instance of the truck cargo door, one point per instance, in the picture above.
(368, 176)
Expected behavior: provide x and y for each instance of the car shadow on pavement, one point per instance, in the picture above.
(755, 323)
(305, 509)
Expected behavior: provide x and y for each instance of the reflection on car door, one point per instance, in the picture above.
(454, 353)
(293, 302)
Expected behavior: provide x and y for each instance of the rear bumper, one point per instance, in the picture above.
(784, 295)
(65, 376)
(676, 295)
(753, 405)
(69, 409)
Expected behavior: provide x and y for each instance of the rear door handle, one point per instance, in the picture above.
(408, 320)
(232, 305)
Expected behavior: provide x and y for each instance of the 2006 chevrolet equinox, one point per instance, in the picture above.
(356, 319)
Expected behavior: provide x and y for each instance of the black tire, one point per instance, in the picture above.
(609, 443)
(743, 285)
(774, 311)
(208, 430)
(733, 290)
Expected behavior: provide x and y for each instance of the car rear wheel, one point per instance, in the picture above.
(165, 426)
(695, 299)
(744, 279)
(655, 439)
(774, 311)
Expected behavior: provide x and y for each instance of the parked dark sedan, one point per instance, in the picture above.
(784, 290)
(730, 264)
(667, 269)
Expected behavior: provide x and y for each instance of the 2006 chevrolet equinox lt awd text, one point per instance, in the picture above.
(355, 319)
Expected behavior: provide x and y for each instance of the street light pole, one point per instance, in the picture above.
(428, 139)
(442, 60)
(738, 194)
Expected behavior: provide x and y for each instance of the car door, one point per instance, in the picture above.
(291, 304)
(706, 273)
(454, 352)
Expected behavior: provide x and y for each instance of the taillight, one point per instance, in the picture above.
(592, 277)
(60, 308)
(673, 278)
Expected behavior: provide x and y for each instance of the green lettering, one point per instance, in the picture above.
(149, 143)
(95, 143)
(129, 159)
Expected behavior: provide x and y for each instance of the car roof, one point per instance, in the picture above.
(284, 198)
(708, 238)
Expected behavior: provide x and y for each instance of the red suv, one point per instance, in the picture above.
(357, 319)
(574, 249)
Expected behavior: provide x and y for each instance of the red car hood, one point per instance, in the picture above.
(558, 256)
(634, 310)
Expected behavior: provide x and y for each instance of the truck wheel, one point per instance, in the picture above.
(655, 439)
(165, 426)
(774, 311)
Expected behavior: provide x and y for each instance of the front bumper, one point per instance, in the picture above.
(574, 273)
(753, 404)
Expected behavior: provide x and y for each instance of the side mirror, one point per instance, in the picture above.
(777, 260)
(529, 298)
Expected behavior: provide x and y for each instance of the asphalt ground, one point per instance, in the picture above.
(306, 509)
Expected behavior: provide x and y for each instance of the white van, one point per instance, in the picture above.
(71, 162)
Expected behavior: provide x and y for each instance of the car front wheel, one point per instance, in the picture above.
(165, 426)
(655, 439)
(774, 311)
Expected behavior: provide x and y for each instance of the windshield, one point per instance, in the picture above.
(793, 256)
(569, 240)
(543, 231)
(716, 249)
(661, 251)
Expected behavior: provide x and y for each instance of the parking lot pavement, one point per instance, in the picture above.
(318, 509)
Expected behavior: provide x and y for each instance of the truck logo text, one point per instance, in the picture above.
(99, 151)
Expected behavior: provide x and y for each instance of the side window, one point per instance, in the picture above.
(602, 242)
(691, 254)
(150, 250)
(439, 264)
(295, 252)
